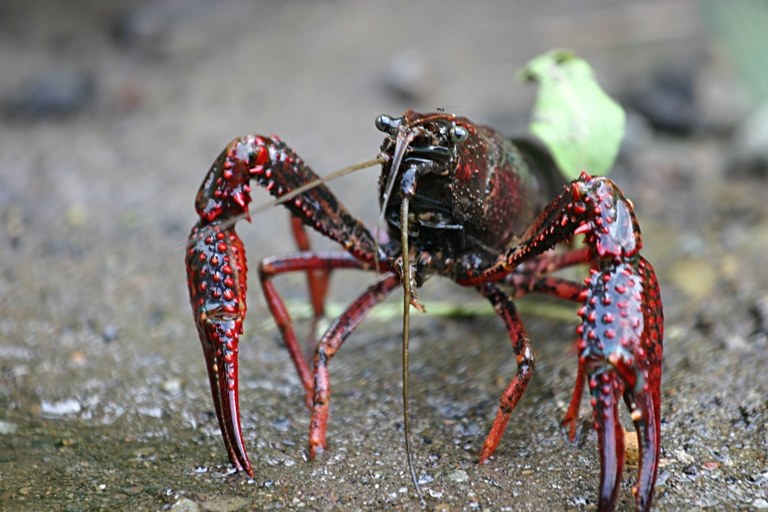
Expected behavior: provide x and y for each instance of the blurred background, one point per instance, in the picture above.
(110, 115)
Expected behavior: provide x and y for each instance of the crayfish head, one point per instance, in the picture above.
(421, 152)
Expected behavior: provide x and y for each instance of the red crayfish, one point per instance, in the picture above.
(461, 201)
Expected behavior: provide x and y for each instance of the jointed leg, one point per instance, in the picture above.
(572, 415)
(328, 346)
(528, 278)
(505, 308)
(299, 262)
(317, 279)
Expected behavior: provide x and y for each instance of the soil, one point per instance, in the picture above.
(111, 115)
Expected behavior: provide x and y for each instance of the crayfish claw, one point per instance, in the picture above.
(216, 277)
(221, 360)
(606, 388)
(645, 416)
(621, 347)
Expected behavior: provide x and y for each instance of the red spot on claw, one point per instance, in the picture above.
(262, 155)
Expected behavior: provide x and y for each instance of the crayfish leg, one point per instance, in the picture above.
(521, 344)
(317, 279)
(327, 348)
(572, 415)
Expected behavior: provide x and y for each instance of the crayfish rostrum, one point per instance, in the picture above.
(470, 205)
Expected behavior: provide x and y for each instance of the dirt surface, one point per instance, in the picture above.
(111, 115)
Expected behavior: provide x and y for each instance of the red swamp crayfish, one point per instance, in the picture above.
(461, 201)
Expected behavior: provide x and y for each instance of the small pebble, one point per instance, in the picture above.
(631, 448)
(60, 408)
(184, 504)
(152, 412)
(683, 456)
(281, 424)
(760, 503)
(6, 427)
(458, 476)
(171, 386)
(144, 452)
(691, 470)
(109, 334)
(225, 503)
(425, 478)
(133, 490)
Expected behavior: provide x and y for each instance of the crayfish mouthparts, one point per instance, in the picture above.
(471, 206)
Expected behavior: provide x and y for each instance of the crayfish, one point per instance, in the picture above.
(460, 201)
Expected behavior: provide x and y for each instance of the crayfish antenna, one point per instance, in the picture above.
(324, 179)
(404, 139)
(407, 299)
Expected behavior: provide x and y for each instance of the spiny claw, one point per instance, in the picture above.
(220, 349)
(647, 422)
(216, 266)
(216, 277)
(621, 347)
(606, 389)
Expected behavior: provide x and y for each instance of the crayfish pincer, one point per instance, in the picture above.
(460, 201)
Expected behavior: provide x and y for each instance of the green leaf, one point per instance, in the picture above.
(578, 122)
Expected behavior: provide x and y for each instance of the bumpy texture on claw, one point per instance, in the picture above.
(216, 266)
(621, 349)
(621, 335)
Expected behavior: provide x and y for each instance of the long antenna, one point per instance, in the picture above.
(293, 193)
(328, 177)
(402, 142)
(407, 298)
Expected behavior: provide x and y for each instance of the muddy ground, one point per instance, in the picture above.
(111, 115)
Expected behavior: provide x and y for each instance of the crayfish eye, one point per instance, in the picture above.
(458, 133)
(386, 124)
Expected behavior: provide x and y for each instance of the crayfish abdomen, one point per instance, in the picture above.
(477, 209)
